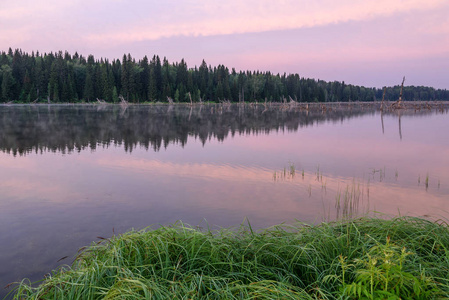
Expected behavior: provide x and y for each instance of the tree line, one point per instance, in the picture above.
(62, 77)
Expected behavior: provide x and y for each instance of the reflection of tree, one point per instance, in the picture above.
(68, 128)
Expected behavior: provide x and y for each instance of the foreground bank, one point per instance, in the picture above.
(368, 257)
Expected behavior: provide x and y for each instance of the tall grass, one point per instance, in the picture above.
(349, 202)
(340, 260)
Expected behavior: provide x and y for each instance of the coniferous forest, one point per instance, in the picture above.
(62, 77)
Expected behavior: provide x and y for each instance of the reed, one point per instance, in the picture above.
(350, 201)
(292, 170)
(396, 258)
(287, 173)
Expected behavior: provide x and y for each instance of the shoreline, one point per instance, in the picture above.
(406, 257)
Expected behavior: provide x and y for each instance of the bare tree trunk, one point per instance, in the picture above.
(122, 100)
(400, 95)
(383, 98)
(190, 96)
(37, 98)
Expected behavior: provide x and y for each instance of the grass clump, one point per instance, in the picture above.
(369, 258)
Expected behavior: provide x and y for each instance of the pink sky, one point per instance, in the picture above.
(369, 42)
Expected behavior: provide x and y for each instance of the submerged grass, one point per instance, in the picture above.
(370, 258)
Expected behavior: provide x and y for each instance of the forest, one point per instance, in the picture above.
(61, 77)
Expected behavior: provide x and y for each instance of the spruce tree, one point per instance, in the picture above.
(152, 86)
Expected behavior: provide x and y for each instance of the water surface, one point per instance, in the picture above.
(72, 173)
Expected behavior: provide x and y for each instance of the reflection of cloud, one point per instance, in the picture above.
(34, 188)
(195, 170)
(233, 188)
(253, 190)
(386, 197)
(8, 161)
(26, 178)
(347, 144)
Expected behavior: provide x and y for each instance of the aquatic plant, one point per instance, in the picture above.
(286, 173)
(348, 205)
(292, 170)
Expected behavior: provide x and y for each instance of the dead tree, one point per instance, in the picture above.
(292, 102)
(400, 95)
(191, 102)
(242, 96)
(122, 100)
(265, 105)
(37, 98)
(383, 98)
(398, 104)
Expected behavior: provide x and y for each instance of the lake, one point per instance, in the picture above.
(73, 173)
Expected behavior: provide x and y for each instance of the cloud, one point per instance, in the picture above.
(236, 17)
(98, 22)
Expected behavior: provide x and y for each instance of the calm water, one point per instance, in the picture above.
(72, 173)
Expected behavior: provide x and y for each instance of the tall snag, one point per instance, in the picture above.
(398, 104)
(383, 98)
(400, 95)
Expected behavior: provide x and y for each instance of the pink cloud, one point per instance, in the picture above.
(239, 17)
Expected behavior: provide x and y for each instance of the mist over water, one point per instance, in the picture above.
(72, 173)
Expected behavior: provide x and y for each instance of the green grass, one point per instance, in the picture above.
(369, 258)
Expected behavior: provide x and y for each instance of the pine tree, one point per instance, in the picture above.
(7, 83)
(106, 91)
(144, 78)
(125, 74)
(158, 77)
(55, 97)
(115, 98)
(89, 88)
(152, 86)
